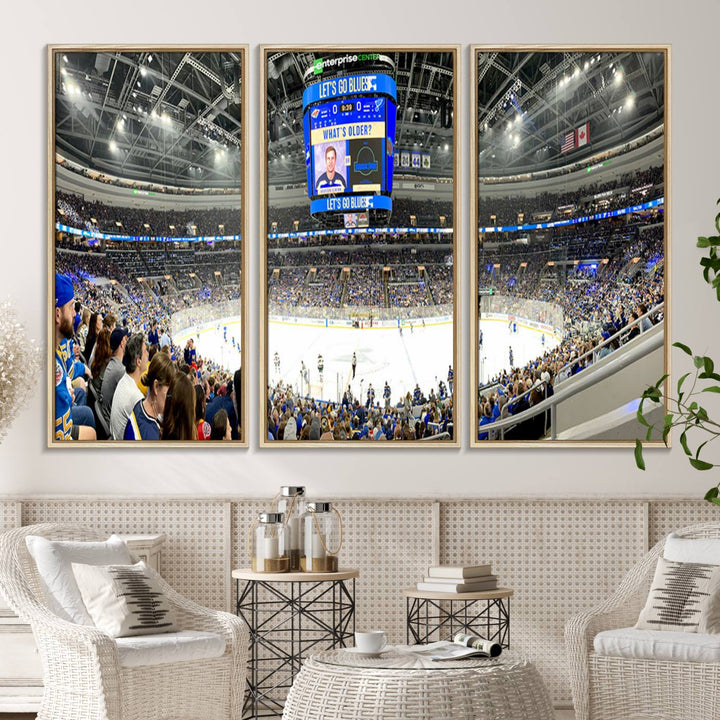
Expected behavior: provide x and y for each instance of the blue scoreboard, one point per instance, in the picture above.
(349, 130)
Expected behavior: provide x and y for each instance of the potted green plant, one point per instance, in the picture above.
(684, 410)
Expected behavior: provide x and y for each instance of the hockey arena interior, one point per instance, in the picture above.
(570, 243)
(360, 257)
(148, 251)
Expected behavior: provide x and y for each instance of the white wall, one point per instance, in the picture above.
(27, 467)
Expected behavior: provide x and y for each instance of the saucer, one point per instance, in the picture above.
(360, 653)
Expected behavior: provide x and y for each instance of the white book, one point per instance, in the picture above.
(460, 572)
(456, 581)
(457, 587)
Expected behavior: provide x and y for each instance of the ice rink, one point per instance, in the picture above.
(420, 355)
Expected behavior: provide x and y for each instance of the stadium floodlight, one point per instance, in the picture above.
(63, 71)
(447, 147)
(149, 58)
(143, 71)
(113, 146)
(65, 58)
(630, 101)
(618, 77)
(587, 65)
(577, 72)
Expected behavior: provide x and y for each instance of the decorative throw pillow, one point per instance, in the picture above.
(692, 550)
(684, 597)
(53, 559)
(124, 600)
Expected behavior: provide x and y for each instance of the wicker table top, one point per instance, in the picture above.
(248, 574)
(401, 657)
(483, 595)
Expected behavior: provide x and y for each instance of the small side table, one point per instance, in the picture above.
(289, 615)
(477, 613)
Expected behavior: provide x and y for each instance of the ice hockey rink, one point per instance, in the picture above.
(420, 355)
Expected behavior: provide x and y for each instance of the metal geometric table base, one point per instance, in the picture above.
(288, 620)
(431, 620)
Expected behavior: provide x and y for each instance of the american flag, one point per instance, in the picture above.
(568, 142)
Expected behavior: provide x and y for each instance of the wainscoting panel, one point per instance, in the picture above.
(8, 515)
(193, 557)
(560, 557)
(669, 515)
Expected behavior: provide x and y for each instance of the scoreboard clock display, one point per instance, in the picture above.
(349, 132)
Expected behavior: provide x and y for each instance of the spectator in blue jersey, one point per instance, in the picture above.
(450, 378)
(145, 418)
(153, 337)
(224, 402)
(78, 318)
(65, 429)
(386, 395)
(330, 180)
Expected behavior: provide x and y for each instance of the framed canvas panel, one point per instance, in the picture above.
(359, 213)
(569, 242)
(147, 224)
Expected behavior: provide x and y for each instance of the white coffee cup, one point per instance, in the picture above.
(372, 641)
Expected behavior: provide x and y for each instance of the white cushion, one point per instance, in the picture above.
(658, 645)
(169, 648)
(124, 600)
(54, 558)
(692, 550)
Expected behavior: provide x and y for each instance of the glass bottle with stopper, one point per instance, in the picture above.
(269, 547)
(323, 537)
(291, 502)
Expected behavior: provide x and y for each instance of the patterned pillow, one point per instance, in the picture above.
(124, 600)
(684, 597)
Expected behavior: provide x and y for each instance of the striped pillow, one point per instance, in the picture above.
(124, 600)
(684, 597)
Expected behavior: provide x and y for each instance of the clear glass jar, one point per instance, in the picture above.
(269, 547)
(292, 504)
(322, 538)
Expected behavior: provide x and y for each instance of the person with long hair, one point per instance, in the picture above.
(178, 421)
(145, 418)
(93, 329)
(103, 353)
(203, 427)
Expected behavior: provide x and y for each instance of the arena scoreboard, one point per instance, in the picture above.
(349, 132)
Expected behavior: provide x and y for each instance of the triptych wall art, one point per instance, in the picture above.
(361, 234)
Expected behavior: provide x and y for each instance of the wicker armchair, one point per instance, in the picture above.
(614, 688)
(82, 674)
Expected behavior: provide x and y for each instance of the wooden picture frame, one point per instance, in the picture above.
(562, 184)
(331, 288)
(147, 164)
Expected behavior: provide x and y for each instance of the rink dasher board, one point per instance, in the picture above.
(347, 324)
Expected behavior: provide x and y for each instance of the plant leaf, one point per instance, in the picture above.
(684, 443)
(701, 464)
(712, 389)
(639, 455)
(712, 493)
(698, 361)
(709, 364)
(684, 348)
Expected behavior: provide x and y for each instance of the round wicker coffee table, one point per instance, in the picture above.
(341, 685)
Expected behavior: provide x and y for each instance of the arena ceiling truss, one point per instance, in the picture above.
(171, 118)
(425, 85)
(528, 102)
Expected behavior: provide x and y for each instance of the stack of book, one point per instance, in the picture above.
(458, 579)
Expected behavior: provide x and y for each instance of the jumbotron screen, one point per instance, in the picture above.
(349, 129)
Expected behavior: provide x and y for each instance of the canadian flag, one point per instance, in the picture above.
(583, 135)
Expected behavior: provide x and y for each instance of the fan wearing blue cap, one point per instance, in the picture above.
(64, 313)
